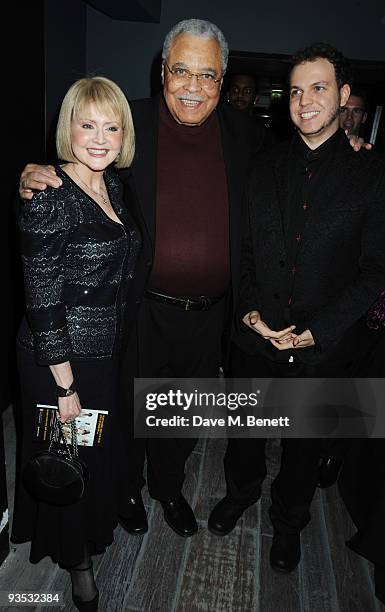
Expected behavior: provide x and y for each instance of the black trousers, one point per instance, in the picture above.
(172, 342)
(293, 489)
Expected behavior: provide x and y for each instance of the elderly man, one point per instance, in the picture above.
(192, 158)
(313, 260)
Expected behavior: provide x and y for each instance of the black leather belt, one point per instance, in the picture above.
(197, 303)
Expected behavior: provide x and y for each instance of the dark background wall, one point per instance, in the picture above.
(125, 50)
(50, 38)
(47, 54)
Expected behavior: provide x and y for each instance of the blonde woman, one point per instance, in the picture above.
(80, 246)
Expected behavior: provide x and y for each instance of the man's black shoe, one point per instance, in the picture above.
(224, 516)
(179, 516)
(285, 553)
(328, 471)
(135, 519)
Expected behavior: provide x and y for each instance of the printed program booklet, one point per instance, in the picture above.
(91, 425)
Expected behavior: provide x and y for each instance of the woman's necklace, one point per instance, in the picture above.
(106, 202)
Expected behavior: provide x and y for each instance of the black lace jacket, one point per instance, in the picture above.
(78, 264)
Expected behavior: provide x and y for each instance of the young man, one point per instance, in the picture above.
(313, 262)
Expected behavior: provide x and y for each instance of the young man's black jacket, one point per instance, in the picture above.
(341, 262)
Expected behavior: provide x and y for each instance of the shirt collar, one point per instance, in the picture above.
(308, 155)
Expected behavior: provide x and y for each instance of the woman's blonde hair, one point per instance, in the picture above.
(106, 96)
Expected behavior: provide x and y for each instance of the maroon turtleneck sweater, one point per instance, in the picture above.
(192, 211)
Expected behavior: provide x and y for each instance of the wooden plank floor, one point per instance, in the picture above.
(161, 572)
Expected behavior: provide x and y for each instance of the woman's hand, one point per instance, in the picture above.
(69, 408)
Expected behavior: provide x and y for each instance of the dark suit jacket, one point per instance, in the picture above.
(341, 263)
(238, 149)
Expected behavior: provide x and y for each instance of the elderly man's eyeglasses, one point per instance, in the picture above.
(182, 76)
(354, 110)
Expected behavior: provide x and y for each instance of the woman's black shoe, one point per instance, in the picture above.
(85, 605)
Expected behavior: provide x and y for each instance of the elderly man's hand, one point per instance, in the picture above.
(357, 142)
(253, 320)
(37, 177)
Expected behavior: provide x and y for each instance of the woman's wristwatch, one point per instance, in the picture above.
(61, 392)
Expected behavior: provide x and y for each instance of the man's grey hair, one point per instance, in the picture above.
(201, 29)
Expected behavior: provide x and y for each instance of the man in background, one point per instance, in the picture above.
(242, 95)
(354, 114)
(242, 91)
